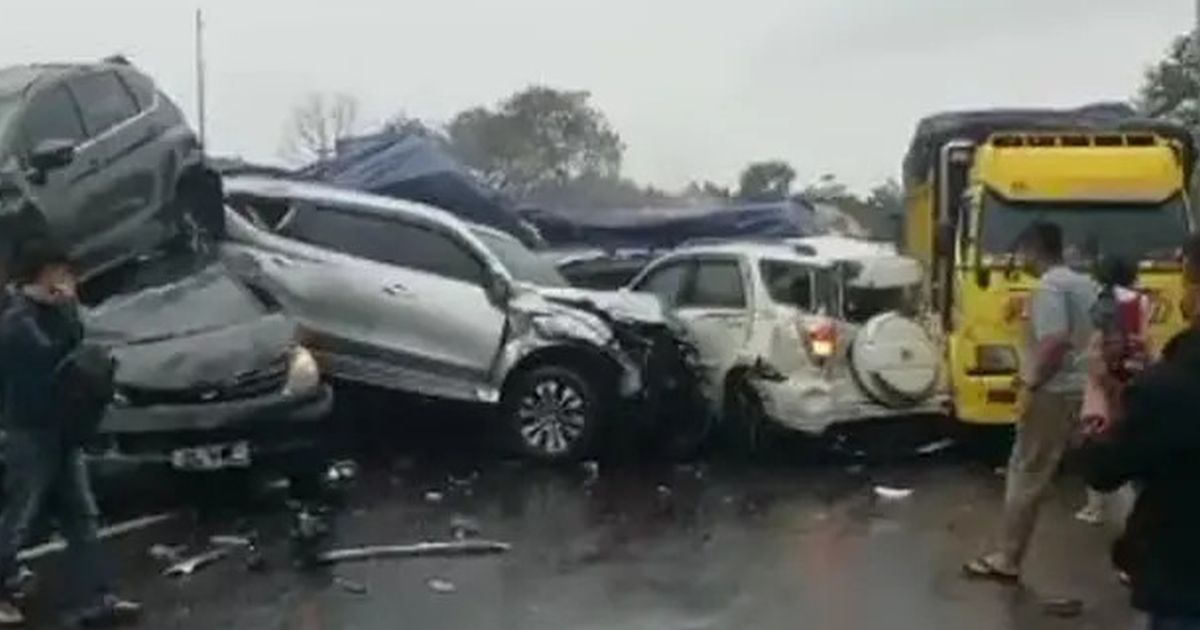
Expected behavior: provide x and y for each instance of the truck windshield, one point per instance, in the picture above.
(1134, 231)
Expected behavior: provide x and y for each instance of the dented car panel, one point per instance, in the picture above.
(200, 360)
(793, 331)
(405, 296)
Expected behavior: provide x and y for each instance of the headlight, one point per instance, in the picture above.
(303, 373)
(996, 360)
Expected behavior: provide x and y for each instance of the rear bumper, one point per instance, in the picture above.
(813, 406)
(274, 426)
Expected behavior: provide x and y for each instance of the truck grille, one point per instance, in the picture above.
(260, 382)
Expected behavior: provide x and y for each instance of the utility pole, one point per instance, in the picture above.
(200, 114)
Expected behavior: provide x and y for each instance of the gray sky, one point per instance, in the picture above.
(696, 88)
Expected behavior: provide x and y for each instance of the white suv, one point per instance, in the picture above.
(807, 333)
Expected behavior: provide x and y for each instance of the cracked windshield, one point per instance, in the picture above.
(629, 315)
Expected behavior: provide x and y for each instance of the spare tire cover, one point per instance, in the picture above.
(895, 361)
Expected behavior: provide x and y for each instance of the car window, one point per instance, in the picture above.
(522, 263)
(383, 240)
(141, 87)
(52, 115)
(666, 282)
(717, 284)
(105, 101)
(789, 283)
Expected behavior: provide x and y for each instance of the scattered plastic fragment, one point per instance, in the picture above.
(189, 566)
(462, 527)
(433, 496)
(350, 586)
(1063, 607)
(439, 585)
(892, 494)
(167, 553)
(935, 447)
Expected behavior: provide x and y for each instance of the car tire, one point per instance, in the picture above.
(553, 413)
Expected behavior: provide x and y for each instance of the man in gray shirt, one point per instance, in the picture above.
(1053, 375)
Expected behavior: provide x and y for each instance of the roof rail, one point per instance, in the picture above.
(118, 59)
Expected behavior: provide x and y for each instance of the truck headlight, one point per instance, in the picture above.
(996, 360)
(303, 373)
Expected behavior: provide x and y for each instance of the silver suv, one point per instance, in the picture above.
(408, 297)
(807, 333)
(99, 157)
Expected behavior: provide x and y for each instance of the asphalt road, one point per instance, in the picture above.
(715, 544)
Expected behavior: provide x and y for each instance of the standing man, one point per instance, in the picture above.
(39, 330)
(1156, 445)
(1053, 376)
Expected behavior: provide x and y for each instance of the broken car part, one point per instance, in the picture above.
(189, 566)
(418, 550)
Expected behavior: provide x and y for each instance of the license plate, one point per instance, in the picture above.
(212, 457)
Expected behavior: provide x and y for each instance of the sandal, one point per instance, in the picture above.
(984, 569)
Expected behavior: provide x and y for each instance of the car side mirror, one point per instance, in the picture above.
(499, 289)
(50, 155)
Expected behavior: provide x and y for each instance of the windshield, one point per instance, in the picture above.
(520, 261)
(1134, 231)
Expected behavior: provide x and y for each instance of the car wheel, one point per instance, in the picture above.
(553, 413)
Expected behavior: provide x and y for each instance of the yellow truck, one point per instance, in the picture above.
(1115, 183)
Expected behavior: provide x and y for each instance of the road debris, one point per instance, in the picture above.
(462, 527)
(935, 447)
(439, 585)
(1066, 607)
(433, 496)
(189, 566)
(417, 550)
(112, 531)
(241, 542)
(167, 553)
(350, 586)
(888, 493)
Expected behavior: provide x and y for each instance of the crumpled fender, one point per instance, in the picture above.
(536, 324)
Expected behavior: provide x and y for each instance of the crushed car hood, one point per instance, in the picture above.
(620, 305)
(204, 328)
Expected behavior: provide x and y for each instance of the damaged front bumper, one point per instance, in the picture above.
(813, 406)
(272, 426)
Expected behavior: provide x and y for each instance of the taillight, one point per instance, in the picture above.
(822, 338)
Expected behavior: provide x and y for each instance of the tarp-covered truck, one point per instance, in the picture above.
(1115, 183)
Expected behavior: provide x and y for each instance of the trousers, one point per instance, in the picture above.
(1043, 433)
(48, 479)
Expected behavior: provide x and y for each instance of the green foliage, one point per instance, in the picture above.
(766, 181)
(1171, 88)
(536, 137)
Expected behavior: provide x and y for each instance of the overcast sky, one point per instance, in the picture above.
(696, 88)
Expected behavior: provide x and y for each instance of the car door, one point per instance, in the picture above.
(715, 308)
(118, 197)
(708, 295)
(53, 115)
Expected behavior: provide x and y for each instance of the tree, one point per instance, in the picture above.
(317, 124)
(826, 188)
(887, 198)
(1171, 88)
(536, 137)
(766, 181)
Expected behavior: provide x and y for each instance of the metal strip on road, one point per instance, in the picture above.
(117, 529)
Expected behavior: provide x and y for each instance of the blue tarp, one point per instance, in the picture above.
(659, 228)
(418, 168)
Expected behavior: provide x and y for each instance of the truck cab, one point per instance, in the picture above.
(975, 181)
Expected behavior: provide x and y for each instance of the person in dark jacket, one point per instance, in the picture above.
(1156, 445)
(45, 472)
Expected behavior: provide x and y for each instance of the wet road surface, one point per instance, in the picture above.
(716, 544)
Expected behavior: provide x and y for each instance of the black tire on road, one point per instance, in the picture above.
(553, 413)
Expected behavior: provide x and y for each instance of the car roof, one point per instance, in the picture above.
(775, 250)
(20, 78)
(267, 186)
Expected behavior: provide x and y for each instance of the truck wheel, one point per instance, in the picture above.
(553, 413)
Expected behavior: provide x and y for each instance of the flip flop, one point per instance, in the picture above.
(983, 569)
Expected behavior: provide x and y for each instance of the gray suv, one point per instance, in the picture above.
(99, 157)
